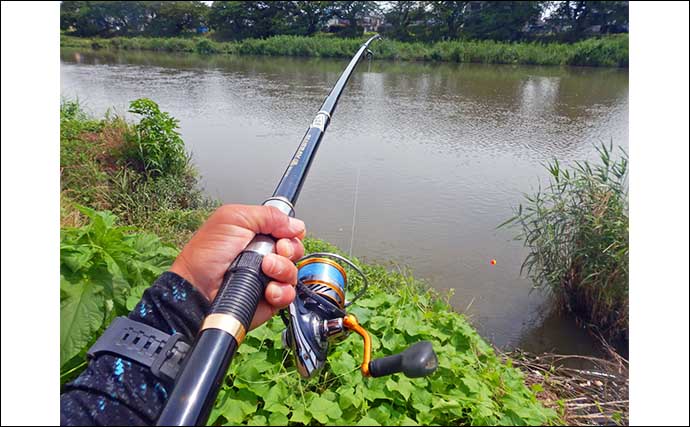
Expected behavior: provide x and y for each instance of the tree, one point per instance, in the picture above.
(105, 18)
(175, 17)
(309, 16)
(402, 17)
(575, 18)
(500, 20)
(449, 16)
(234, 20)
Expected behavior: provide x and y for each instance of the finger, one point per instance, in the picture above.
(279, 268)
(292, 249)
(264, 311)
(277, 296)
(262, 219)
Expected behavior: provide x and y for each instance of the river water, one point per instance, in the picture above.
(433, 157)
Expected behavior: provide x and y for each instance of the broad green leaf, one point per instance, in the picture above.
(277, 394)
(367, 421)
(277, 419)
(257, 420)
(81, 316)
(299, 415)
(75, 257)
(322, 409)
(347, 397)
(343, 363)
(381, 413)
(238, 406)
(403, 386)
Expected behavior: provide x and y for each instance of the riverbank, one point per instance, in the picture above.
(474, 384)
(610, 51)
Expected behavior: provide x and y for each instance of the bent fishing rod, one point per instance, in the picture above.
(224, 328)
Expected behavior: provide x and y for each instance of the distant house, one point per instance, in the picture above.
(539, 28)
(335, 23)
(369, 23)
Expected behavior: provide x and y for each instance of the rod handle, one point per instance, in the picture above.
(240, 291)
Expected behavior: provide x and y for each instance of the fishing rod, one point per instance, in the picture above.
(224, 328)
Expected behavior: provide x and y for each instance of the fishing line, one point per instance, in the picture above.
(354, 213)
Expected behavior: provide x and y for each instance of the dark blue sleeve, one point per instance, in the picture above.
(116, 391)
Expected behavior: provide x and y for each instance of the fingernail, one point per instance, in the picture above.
(297, 224)
(274, 293)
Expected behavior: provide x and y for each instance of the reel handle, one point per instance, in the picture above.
(418, 360)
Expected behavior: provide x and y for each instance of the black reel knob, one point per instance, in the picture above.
(418, 360)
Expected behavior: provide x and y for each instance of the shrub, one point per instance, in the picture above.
(100, 166)
(577, 233)
(104, 270)
(159, 147)
(206, 46)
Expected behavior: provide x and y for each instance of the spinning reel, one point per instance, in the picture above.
(317, 318)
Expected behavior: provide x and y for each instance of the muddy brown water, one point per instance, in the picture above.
(441, 152)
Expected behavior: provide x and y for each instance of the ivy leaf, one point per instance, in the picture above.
(275, 407)
(342, 363)
(238, 406)
(81, 316)
(277, 419)
(406, 421)
(257, 420)
(299, 415)
(403, 386)
(263, 333)
(347, 397)
(367, 421)
(471, 384)
(322, 409)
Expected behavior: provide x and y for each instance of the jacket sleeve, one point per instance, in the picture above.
(116, 391)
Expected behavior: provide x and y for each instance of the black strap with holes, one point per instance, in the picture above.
(160, 352)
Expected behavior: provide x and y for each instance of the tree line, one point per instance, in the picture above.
(425, 21)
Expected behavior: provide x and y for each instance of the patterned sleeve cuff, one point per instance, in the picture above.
(172, 305)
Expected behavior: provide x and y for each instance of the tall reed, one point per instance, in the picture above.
(577, 232)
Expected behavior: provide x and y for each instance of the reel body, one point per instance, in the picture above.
(317, 318)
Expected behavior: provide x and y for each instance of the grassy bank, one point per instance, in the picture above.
(611, 51)
(140, 172)
(577, 232)
(108, 259)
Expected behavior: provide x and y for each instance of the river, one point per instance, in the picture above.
(432, 156)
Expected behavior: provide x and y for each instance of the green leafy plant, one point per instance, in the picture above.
(577, 232)
(104, 269)
(471, 386)
(159, 146)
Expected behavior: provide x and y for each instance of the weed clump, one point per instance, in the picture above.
(577, 233)
(141, 172)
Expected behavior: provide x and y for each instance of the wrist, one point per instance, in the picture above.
(181, 268)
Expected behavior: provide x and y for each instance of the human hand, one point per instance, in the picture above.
(205, 259)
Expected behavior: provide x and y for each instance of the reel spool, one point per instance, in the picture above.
(317, 317)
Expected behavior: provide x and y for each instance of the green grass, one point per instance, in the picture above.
(609, 51)
(106, 262)
(577, 232)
